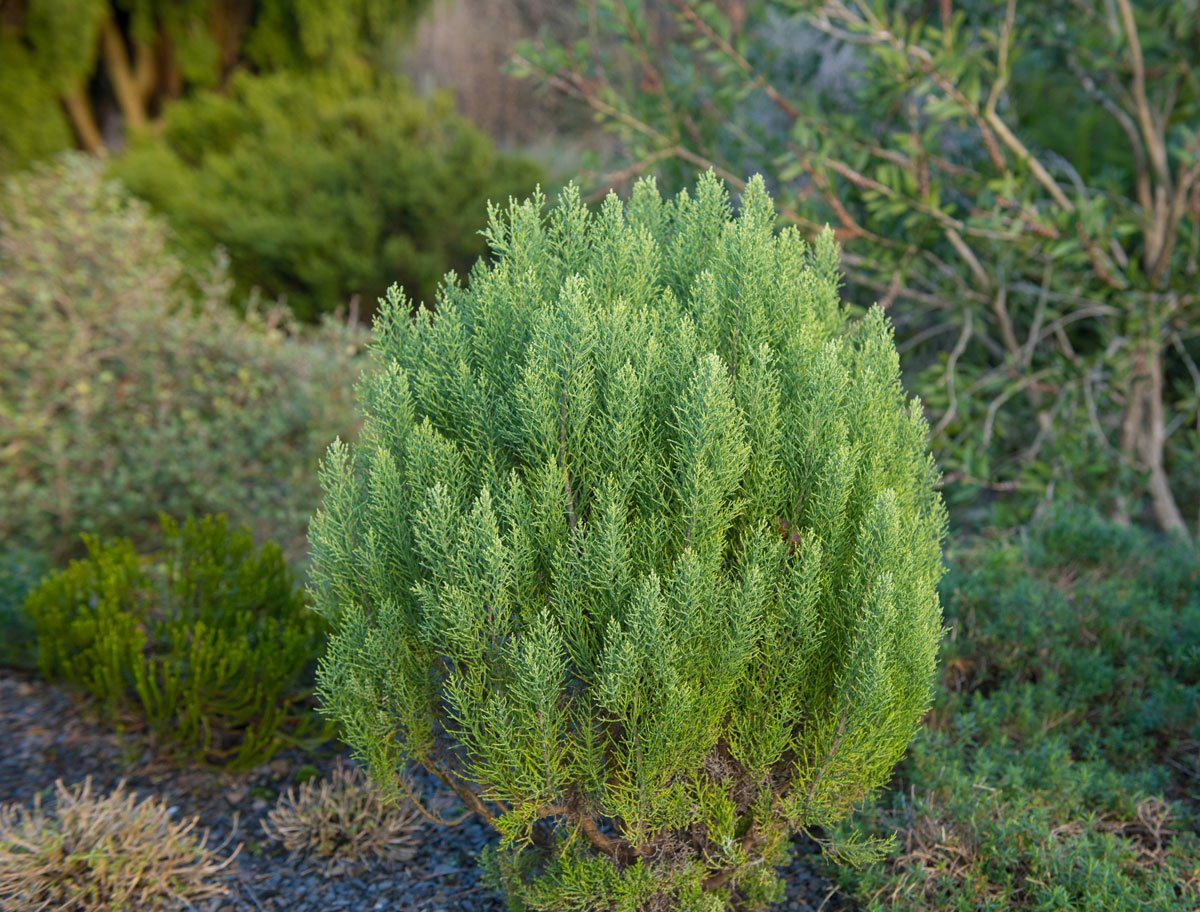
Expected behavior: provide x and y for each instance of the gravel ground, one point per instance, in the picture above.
(46, 735)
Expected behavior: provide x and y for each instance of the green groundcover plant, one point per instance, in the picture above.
(20, 572)
(638, 552)
(208, 638)
(1060, 769)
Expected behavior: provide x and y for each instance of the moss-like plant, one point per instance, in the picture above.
(209, 639)
(638, 552)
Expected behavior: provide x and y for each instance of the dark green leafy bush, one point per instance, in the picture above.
(638, 553)
(20, 571)
(1061, 768)
(323, 191)
(122, 395)
(208, 638)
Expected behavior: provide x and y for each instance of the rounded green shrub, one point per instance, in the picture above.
(638, 552)
(322, 191)
(208, 638)
(124, 393)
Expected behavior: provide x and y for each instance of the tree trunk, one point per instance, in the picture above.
(120, 73)
(228, 24)
(1144, 437)
(145, 71)
(172, 76)
(84, 121)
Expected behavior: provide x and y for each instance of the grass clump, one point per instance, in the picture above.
(1061, 767)
(104, 853)
(345, 820)
(208, 639)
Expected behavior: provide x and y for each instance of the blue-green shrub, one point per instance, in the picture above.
(1060, 767)
(20, 571)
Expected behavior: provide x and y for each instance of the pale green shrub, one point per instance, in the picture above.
(638, 553)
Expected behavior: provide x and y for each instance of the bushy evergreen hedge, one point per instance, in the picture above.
(323, 190)
(638, 552)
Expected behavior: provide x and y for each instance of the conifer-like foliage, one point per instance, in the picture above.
(638, 552)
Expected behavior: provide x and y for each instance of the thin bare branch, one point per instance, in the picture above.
(759, 81)
(1151, 131)
(949, 375)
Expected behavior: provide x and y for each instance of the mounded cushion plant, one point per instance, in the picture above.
(638, 552)
(344, 819)
(125, 392)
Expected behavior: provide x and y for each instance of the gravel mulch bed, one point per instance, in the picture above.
(46, 734)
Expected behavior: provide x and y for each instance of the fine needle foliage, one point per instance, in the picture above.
(638, 552)
(344, 819)
(104, 853)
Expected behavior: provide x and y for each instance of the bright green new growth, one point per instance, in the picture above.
(208, 639)
(638, 551)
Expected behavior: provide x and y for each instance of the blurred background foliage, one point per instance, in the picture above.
(202, 202)
(1018, 183)
(324, 191)
(125, 393)
(86, 71)
(284, 132)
